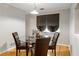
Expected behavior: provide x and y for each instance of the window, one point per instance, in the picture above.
(50, 21)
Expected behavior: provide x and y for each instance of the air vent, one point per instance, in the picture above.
(41, 8)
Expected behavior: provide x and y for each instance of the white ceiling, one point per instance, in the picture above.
(48, 7)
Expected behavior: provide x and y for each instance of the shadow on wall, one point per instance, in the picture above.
(3, 47)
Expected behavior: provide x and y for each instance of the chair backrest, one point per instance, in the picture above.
(16, 38)
(41, 47)
(55, 38)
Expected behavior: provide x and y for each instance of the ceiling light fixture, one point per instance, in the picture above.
(34, 11)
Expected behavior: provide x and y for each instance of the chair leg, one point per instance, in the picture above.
(19, 52)
(16, 52)
(27, 50)
(54, 52)
(31, 52)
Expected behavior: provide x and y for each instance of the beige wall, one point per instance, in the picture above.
(77, 21)
(74, 30)
(30, 24)
(11, 20)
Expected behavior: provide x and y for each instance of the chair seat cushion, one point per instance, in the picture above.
(22, 45)
(51, 47)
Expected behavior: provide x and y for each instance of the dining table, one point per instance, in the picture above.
(31, 43)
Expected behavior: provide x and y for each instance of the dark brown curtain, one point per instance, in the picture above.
(41, 23)
(51, 21)
(41, 28)
(53, 28)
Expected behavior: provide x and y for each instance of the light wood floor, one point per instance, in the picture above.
(60, 51)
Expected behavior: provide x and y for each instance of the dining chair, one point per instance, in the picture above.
(19, 45)
(41, 47)
(54, 42)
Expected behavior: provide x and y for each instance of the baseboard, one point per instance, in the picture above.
(6, 50)
(67, 45)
